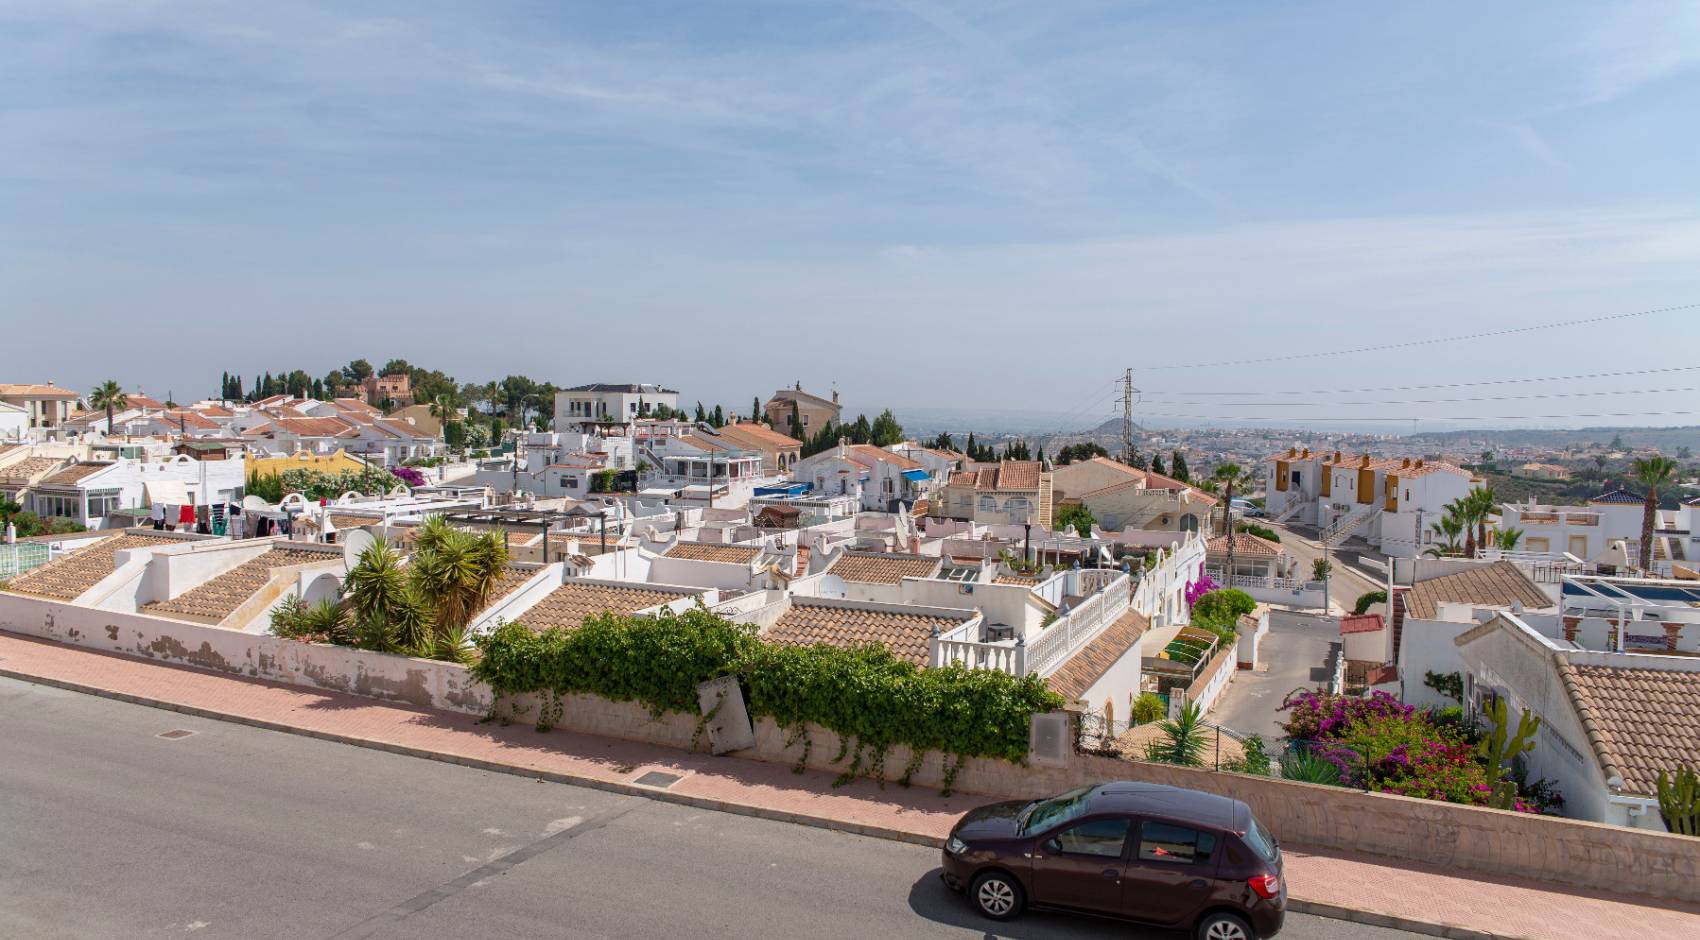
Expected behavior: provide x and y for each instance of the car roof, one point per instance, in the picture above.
(1166, 802)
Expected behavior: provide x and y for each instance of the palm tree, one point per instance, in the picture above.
(387, 609)
(1183, 739)
(1508, 539)
(1448, 528)
(1651, 472)
(1483, 502)
(109, 397)
(454, 571)
(1228, 476)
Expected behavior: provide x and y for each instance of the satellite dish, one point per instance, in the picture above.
(252, 503)
(358, 541)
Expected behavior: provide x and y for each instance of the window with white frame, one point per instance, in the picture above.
(988, 504)
(103, 503)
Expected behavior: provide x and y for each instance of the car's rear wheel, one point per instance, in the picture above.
(1224, 926)
(997, 895)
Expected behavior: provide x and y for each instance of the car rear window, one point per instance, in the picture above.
(1261, 841)
(1162, 842)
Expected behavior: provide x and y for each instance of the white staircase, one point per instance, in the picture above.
(1294, 507)
(1346, 525)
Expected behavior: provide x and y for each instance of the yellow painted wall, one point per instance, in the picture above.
(324, 463)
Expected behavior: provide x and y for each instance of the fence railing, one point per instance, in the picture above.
(1081, 626)
(964, 647)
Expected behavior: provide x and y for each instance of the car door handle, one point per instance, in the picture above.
(1200, 883)
(1110, 874)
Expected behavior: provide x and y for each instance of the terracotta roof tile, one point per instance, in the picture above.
(1639, 721)
(1620, 497)
(509, 582)
(1017, 579)
(1497, 585)
(708, 551)
(67, 577)
(1089, 665)
(760, 434)
(26, 470)
(75, 473)
(907, 635)
(1361, 623)
(878, 568)
(216, 598)
(36, 391)
(570, 604)
(870, 452)
(1244, 544)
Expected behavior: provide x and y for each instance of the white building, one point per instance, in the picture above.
(1616, 708)
(878, 478)
(45, 407)
(584, 407)
(1606, 532)
(89, 492)
(1391, 504)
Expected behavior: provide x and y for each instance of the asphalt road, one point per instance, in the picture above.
(1296, 653)
(1345, 583)
(108, 830)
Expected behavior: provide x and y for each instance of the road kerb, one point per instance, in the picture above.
(1297, 905)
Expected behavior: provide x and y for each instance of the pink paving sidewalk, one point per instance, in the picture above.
(1326, 880)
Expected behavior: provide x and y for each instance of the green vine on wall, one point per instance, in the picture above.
(870, 698)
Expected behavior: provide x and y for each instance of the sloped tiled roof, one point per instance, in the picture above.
(1090, 664)
(1244, 544)
(570, 604)
(1639, 721)
(509, 582)
(75, 473)
(1496, 585)
(26, 469)
(707, 551)
(880, 568)
(863, 453)
(908, 635)
(1361, 623)
(36, 391)
(67, 577)
(214, 599)
(1622, 497)
(1004, 475)
(1016, 579)
(759, 433)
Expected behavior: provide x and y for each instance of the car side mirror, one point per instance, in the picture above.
(1052, 846)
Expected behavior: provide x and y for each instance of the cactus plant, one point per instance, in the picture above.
(1500, 747)
(1679, 801)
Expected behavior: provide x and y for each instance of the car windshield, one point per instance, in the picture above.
(1061, 809)
(1261, 841)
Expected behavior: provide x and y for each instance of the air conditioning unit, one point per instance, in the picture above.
(1048, 739)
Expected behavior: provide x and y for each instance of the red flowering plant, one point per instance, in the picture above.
(1381, 744)
(1197, 589)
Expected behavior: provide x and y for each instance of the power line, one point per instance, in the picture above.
(1411, 344)
(1370, 418)
(1427, 401)
(1415, 388)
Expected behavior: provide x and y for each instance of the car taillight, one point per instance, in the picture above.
(1268, 887)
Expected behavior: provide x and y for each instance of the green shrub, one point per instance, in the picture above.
(1148, 707)
(867, 695)
(1368, 600)
(1255, 761)
(1262, 532)
(1306, 767)
(1182, 742)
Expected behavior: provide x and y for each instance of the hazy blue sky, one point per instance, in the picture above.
(957, 204)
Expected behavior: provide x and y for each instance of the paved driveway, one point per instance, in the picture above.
(1296, 653)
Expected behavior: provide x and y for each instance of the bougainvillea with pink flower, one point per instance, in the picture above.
(1197, 589)
(1381, 744)
(409, 475)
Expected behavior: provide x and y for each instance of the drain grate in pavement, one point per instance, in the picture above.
(656, 778)
(174, 734)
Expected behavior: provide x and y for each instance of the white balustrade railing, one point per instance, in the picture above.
(1067, 635)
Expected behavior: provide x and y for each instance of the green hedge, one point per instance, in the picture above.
(868, 696)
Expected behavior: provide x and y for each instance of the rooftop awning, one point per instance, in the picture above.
(917, 476)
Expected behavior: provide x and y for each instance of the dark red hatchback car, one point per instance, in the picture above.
(1140, 851)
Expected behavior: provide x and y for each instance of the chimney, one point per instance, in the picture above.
(1337, 457)
(1405, 463)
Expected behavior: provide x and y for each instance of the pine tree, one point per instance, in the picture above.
(755, 409)
(1177, 467)
(1157, 463)
(702, 416)
(717, 419)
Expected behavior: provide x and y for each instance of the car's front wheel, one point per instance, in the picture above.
(1224, 926)
(997, 895)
